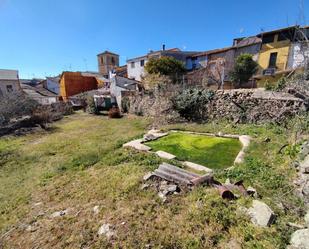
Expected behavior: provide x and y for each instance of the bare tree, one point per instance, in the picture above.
(212, 74)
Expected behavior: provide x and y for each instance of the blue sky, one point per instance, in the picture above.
(45, 37)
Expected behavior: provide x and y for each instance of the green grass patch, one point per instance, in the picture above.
(212, 152)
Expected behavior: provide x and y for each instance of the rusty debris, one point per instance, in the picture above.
(184, 178)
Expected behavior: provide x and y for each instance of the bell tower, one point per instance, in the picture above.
(107, 61)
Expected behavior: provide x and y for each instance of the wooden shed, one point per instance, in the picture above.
(72, 83)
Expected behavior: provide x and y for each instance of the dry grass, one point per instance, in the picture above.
(80, 164)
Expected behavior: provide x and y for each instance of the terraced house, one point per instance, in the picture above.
(282, 51)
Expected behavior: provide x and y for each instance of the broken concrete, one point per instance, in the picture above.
(157, 134)
(165, 155)
(137, 144)
(261, 214)
(197, 167)
(245, 141)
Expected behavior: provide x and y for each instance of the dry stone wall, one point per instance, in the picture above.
(240, 106)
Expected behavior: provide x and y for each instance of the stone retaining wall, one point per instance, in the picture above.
(242, 105)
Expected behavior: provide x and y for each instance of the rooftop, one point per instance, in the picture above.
(108, 52)
(6, 74)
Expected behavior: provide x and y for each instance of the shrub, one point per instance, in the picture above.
(245, 67)
(125, 104)
(278, 86)
(190, 103)
(16, 106)
(91, 106)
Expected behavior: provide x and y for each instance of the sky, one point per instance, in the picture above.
(45, 37)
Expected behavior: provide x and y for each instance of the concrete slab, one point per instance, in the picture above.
(197, 167)
(165, 155)
(137, 144)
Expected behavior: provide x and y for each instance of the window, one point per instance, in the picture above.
(142, 63)
(132, 64)
(113, 61)
(273, 60)
(286, 35)
(102, 61)
(9, 88)
(268, 39)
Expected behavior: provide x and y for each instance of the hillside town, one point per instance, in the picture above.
(279, 53)
(174, 149)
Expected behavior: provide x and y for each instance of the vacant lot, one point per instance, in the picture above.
(212, 152)
(80, 164)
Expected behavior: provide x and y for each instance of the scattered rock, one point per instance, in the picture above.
(252, 192)
(162, 196)
(165, 155)
(305, 189)
(107, 230)
(31, 229)
(60, 213)
(96, 210)
(300, 239)
(261, 214)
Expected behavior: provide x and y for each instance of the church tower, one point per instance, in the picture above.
(107, 61)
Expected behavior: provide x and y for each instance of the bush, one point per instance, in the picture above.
(16, 106)
(125, 104)
(189, 103)
(278, 86)
(91, 106)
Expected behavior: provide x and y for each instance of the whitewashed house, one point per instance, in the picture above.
(136, 66)
(119, 85)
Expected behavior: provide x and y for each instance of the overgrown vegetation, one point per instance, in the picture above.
(278, 86)
(81, 164)
(15, 106)
(245, 67)
(188, 103)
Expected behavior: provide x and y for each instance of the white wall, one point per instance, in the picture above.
(138, 71)
(296, 56)
(52, 86)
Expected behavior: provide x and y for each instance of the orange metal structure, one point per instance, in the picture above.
(72, 83)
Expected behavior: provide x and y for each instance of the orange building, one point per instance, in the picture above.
(72, 83)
